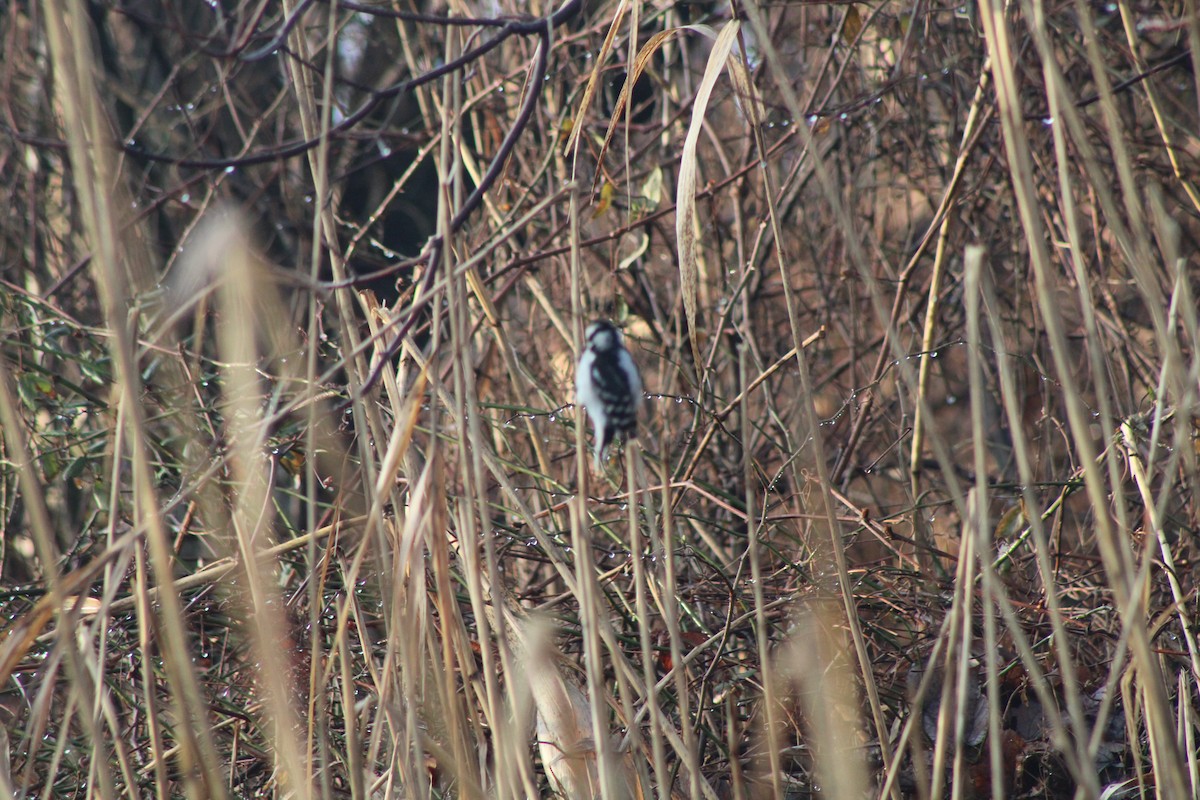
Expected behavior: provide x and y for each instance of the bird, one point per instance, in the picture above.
(608, 385)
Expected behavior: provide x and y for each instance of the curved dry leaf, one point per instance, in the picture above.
(639, 250)
(685, 195)
(652, 187)
(639, 66)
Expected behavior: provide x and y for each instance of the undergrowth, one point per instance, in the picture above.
(295, 502)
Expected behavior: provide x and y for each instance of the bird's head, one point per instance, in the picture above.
(602, 335)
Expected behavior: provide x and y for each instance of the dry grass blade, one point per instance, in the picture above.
(589, 91)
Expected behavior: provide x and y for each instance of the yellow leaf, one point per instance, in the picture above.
(607, 191)
(292, 461)
(1011, 524)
